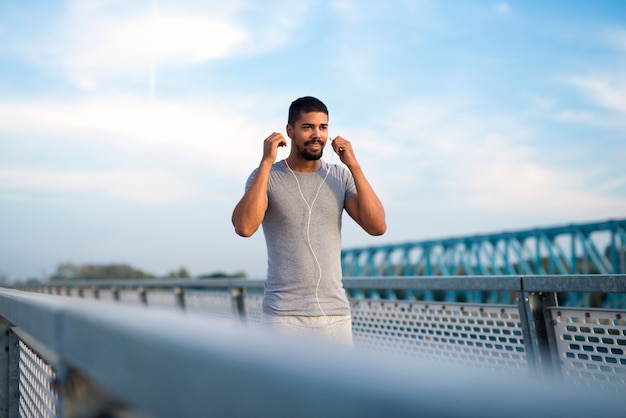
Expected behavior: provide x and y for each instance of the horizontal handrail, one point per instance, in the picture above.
(169, 363)
(608, 283)
(604, 283)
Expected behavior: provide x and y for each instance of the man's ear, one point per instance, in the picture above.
(289, 131)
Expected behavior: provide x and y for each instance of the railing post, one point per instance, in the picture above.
(4, 367)
(116, 293)
(143, 295)
(9, 371)
(538, 332)
(179, 293)
(239, 309)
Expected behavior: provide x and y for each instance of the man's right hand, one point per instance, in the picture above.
(271, 144)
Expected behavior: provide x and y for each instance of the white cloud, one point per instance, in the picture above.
(502, 8)
(98, 46)
(150, 187)
(273, 24)
(215, 135)
(167, 142)
(608, 91)
(606, 86)
(615, 38)
(101, 41)
(519, 185)
(576, 116)
(485, 163)
(613, 184)
(540, 102)
(350, 11)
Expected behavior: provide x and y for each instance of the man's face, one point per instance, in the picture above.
(309, 134)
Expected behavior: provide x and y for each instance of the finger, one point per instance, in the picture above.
(277, 139)
(281, 140)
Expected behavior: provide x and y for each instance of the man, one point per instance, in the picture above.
(299, 201)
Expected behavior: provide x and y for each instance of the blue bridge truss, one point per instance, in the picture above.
(591, 248)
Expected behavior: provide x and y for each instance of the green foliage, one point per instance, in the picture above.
(222, 275)
(182, 273)
(70, 271)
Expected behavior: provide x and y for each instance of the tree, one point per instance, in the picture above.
(70, 271)
(66, 271)
(222, 275)
(182, 273)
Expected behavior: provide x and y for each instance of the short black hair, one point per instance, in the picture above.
(302, 105)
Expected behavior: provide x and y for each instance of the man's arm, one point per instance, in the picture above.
(364, 207)
(250, 211)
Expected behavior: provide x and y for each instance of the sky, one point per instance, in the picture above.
(128, 128)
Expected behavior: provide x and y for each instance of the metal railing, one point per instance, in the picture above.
(532, 337)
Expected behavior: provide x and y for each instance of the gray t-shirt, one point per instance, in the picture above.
(300, 246)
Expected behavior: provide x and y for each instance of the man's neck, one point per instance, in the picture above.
(303, 165)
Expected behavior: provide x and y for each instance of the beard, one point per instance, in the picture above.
(309, 156)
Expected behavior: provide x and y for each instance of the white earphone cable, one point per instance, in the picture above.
(308, 226)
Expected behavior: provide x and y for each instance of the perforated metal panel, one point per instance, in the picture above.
(106, 294)
(161, 297)
(211, 303)
(38, 399)
(129, 296)
(592, 347)
(254, 307)
(88, 293)
(484, 336)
